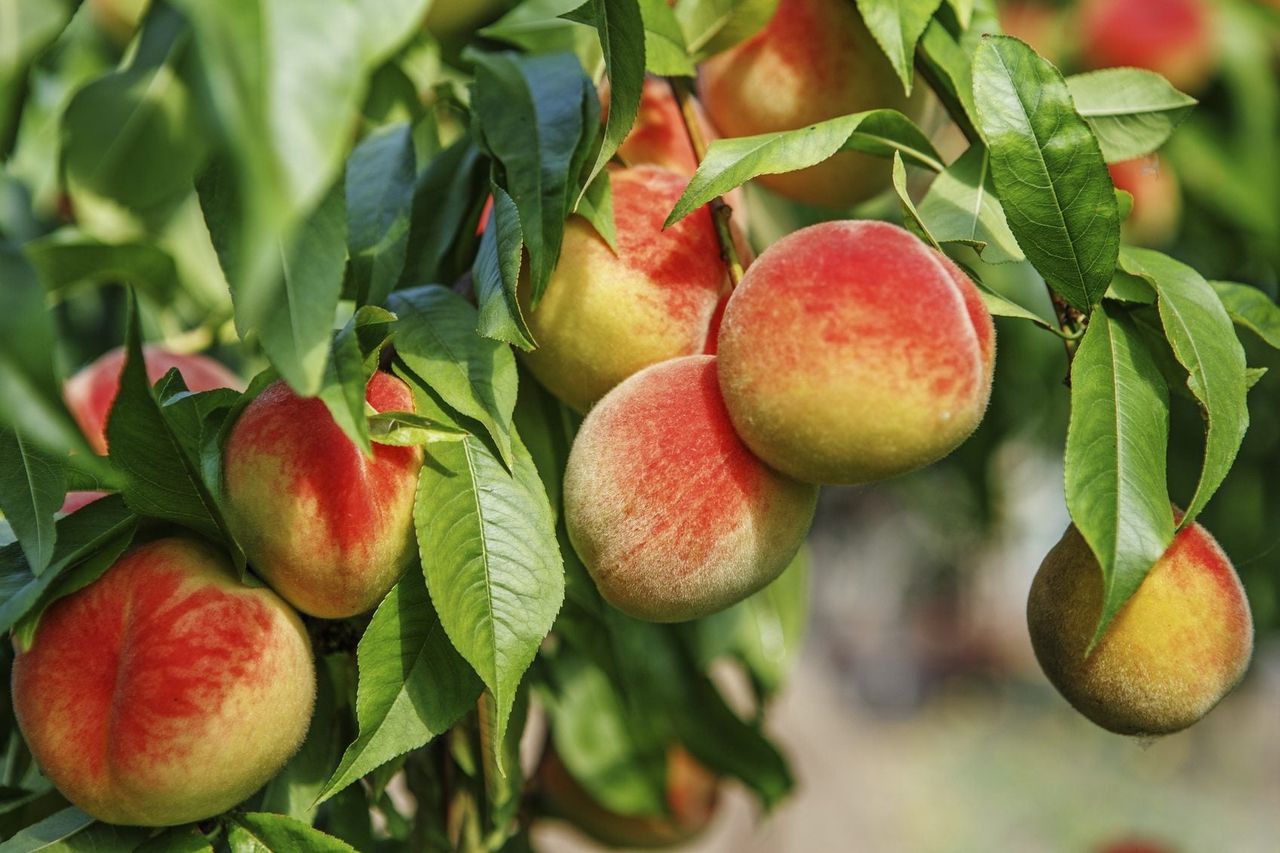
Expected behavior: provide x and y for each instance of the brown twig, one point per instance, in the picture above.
(721, 213)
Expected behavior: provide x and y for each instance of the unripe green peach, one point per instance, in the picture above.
(815, 60)
(1180, 643)
(851, 352)
(91, 392)
(671, 514)
(166, 691)
(330, 529)
(692, 794)
(605, 316)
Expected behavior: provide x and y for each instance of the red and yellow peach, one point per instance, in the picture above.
(166, 691)
(1174, 38)
(1157, 201)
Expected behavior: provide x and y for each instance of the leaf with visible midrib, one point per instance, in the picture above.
(1132, 111)
(1200, 333)
(491, 559)
(264, 832)
(1048, 169)
(1251, 308)
(412, 683)
(897, 25)
(1116, 456)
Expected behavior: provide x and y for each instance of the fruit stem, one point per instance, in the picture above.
(721, 213)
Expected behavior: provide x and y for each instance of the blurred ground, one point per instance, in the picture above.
(917, 719)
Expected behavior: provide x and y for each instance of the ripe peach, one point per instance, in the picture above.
(91, 391)
(1172, 652)
(691, 801)
(815, 60)
(75, 501)
(671, 514)
(166, 691)
(605, 316)
(1157, 203)
(330, 529)
(851, 351)
(1174, 38)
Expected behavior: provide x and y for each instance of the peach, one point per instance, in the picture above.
(1174, 38)
(1037, 23)
(1157, 202)
(75, 501)
(92, 390)
(329, 528)
(1180, 643)
(166, 691)
(671, 514)
(691, 802)
(851, 352)
(605, 316)
(815, 60)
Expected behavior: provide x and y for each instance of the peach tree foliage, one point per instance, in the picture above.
(259, 168)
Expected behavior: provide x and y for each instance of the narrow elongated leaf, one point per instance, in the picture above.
(1132, 111)
(413, 685)
(946, 65)
(1116, 456)
(712, 26)
(32, 486)
(57, 833)
(897, 25)
(490, 556)
(379, 186)
(1048, 169)
(622, 39)
(1251, 308)
(533, 124)
(1199, 331)
(263, 832)
(69, 257)
(30, 27)
(446, 199)
(496, 274)
(961, 207)
(436, 337)
(732, 162)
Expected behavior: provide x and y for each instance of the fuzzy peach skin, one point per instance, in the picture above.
(92, 390)
(692, 796)
(815, 60)
(851, 352)
(1157, 202)
(671, 514)
(605, 316)
(1174, 38)
(166, 691)
(1172, 652)
(330, 529)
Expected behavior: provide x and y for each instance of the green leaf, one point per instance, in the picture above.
(32, 486)
(68, 257)
(732, 162)
(910, 216)
(946, 64)
(263, 832)
(1131, 111)
(413, 685)
(178, 839)
(961, 207)
(538, 26)
(80, 536)
(1048, 169)
(897, 26)
(496, 274)
(446, 202)
(379, 186)
(72, 830)
(1251, 308)
(712, 26)
(490, 556)
(436, 338)
(1199, 331)
(597, 208)
(621, 28)
(163, 477)
(353, 360)
(1115, 463)
(664, 48)
(530, 110)
(135, 136)
(30, 27)
(765, 631)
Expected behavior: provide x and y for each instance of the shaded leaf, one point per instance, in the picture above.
(961, 207)
(1132, 111)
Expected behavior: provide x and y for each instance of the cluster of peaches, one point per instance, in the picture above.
(168, 690)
